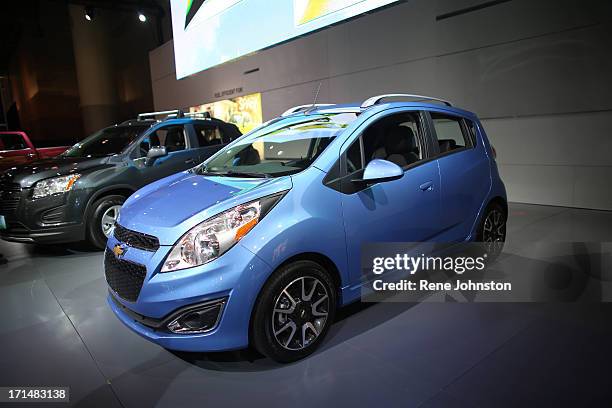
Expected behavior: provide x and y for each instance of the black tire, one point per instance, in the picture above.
(492, 231)
(95, 235)
(265, 317)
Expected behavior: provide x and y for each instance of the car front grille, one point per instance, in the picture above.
(136, 239)
(10, 195)
(124, 277)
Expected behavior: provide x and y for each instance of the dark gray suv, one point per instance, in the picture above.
(77, 195)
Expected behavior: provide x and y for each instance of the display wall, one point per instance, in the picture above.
(541, 87)
(208, 33)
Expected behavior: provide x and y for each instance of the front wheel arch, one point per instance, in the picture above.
(122, 190)
(93, 234)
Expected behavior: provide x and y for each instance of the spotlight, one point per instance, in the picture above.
(89, 13)
(142, 17)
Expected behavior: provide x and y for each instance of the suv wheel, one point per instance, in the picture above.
(294, 312)
(492, 231)
(104, 214)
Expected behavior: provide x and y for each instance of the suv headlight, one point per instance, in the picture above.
(54, 185)
(215, 236)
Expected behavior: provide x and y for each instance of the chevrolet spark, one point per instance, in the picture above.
(260, 244)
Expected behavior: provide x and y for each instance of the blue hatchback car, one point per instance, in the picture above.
(260, 244)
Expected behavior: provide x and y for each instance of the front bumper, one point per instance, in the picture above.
(237, 277)
(50, 220)
(51, 235)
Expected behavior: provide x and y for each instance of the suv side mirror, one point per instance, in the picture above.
(379, 171)
(154, 153)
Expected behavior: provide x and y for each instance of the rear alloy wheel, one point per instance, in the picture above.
(103, 217)
(294, 312)
(492, 231)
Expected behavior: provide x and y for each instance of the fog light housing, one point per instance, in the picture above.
(199, 319)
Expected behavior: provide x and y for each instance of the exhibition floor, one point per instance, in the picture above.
(57, 330)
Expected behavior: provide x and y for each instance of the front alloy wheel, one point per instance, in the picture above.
(294, 311)
(109, 218)
(300, 313)
(101, 220)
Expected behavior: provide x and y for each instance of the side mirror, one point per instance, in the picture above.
(154, 153)
(379, 171)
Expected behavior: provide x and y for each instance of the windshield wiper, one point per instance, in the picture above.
(231, 173)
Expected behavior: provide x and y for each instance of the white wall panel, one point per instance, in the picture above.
(552, 185)
(579, 140)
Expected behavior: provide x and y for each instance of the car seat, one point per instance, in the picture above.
(175, 140)
(446, 145)
(399, 146)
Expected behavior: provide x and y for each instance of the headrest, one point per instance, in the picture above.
(174, 137)
(446, 145)
(400, 139)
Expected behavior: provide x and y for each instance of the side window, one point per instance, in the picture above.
(209, 135)
(172, 137)
(145, 145)
(393, 138)
(12, 141)
(450, 132)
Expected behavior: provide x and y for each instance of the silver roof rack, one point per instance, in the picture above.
(302, 108)
(198, 115)
(376, 99)
(176, 113)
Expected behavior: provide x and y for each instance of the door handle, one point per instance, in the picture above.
(190, 161)
(428, 186)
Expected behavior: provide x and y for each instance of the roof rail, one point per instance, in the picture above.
(302, 108)
(198, 115)
(132, 121)
(176, 113)
(376, 99)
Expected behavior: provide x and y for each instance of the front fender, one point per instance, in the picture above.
(307, 220)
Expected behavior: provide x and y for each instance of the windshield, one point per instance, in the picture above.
(106, 142)
(285, 150)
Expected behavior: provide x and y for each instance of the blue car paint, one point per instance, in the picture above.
(441, 200)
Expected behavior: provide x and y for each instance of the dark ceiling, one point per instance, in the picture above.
(17, 17)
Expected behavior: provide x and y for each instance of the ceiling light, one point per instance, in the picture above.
(142, 17)
(89, 13)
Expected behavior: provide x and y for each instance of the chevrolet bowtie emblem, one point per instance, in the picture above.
(118, 250)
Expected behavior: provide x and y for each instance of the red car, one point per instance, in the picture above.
(16, 148)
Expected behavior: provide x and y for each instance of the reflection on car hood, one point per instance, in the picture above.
(29, 174)
(169, 207)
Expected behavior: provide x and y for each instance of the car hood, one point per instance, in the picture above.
(171, 206)
(27, 175)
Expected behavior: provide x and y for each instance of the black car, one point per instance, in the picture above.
(77, 195)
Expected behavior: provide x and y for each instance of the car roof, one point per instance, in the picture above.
(358, 108)
(186, 120)
(171, 121)
(135, 122)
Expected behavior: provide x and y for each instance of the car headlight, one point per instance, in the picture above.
(54, 185)
(215, 236)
